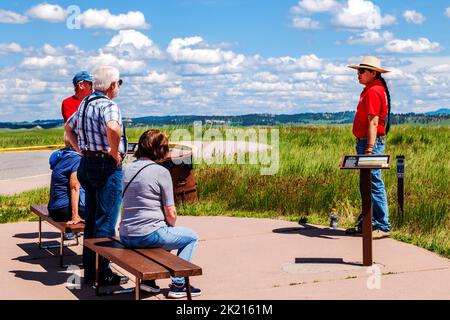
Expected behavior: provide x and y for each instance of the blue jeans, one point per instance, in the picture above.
(102, 182)
(168, 238)
(380, 210)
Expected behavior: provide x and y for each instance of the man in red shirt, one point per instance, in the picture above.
(370, 126)
(82, 84)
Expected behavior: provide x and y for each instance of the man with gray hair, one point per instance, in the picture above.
(95, 130)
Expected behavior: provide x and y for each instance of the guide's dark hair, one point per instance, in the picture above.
(388, 95)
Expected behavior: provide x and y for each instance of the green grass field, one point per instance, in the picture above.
(308, 183)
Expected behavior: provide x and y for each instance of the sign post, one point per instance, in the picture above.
(366, 163)
(400, 185)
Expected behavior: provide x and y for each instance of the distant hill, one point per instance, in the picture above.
(346, 117)
(439, 111)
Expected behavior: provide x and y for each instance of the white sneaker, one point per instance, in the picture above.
(150, 286)
(379, 234)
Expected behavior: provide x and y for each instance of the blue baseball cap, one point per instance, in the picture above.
(82, 76)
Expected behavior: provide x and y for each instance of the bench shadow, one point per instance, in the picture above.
(35, 235)
(54, 275)
(313, 232)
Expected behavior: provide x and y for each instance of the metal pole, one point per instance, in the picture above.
(97, 278)
(40, 233)
(366, 195)
(61, 251)
(400, 185)
(137, 293)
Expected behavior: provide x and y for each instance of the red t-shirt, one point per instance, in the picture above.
(373, 101)
(69, 106)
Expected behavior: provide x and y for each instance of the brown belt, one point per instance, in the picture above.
(364, 139)
(95, 154)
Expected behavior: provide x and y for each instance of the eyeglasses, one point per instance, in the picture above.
(361, 71)
(120, 82)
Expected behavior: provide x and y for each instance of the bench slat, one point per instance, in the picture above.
(177, 266)
(131, 261)
(42, 212)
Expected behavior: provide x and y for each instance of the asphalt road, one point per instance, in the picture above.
(24, 164)
(22, 171)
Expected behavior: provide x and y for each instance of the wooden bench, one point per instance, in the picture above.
(144, 264)
(42, 212)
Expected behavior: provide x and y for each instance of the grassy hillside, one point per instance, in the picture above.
(309, 182)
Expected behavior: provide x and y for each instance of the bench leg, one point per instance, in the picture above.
(97, 278)
(137, 291)
(61, 252)
(40, 233)
(188, 288)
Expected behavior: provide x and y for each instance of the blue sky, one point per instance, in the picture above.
(223, 57)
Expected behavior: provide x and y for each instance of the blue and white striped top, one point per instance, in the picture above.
(98, 113)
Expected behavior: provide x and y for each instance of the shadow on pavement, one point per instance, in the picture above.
(325, 261)
(312, 231)
(54, 275)
(35, 235)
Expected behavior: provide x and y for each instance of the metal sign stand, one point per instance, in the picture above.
(366, 195)
(365, 164)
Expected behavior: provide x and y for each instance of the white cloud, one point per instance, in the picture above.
(43, 62)
(447, 12)
(107, 59)
(181, 51)
(420, 45)
(305, 23)
(266, 77)
(103, 19)
(133, 44)
(441, 68)
(306, 62)
(155, 77)
(6, 48)
(12, 17)
(412, 16)
(234, 66)
(312, 6)
(264, 86)
(361, 14)
(305, 76)
(332, 69)
(370, 38)
(173, 92)
(47, 12)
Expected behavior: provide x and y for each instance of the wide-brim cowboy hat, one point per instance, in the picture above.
(370, 63)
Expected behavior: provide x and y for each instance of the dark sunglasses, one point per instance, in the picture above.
(361, 71)
(120, 82)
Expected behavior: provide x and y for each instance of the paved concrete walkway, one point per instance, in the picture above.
(246, 259)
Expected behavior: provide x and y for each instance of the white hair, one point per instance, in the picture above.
(104, 76)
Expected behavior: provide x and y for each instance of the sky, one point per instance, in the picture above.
(223, 57)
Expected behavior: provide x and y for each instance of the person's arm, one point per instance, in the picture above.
(74, 186)
(72, 137)
(371, 133)
(114, 134)
(167, 197)
(170, 214)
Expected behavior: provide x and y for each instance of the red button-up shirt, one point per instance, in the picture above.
(373, 101)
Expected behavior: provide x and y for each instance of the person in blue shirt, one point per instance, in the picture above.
(66, 203)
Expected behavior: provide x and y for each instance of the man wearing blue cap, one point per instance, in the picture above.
(82, 84)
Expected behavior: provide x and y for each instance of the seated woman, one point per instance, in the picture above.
(66, 201)
(149, 213)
